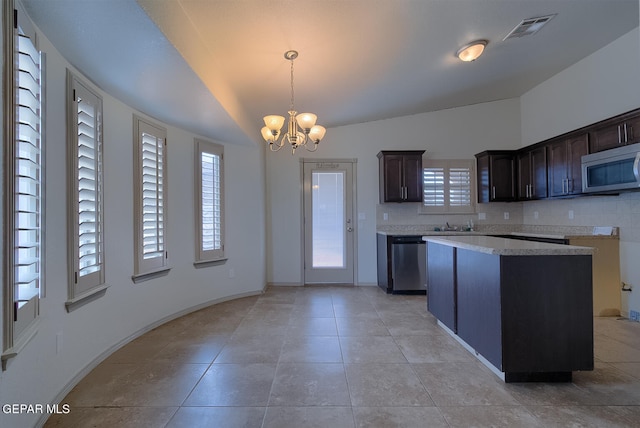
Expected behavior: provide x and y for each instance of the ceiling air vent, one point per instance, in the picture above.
(528, 27)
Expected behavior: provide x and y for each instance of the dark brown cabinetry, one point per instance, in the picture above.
(615, 132)
(441, 285)
(564, 165)
(496, 176)
(552, 168)
(532, 173)
(529, 316)
(400, 176)
(505, 312)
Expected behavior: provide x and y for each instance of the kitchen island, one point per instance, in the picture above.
(523, 308)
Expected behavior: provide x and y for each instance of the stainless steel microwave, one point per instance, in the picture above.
(610, 170)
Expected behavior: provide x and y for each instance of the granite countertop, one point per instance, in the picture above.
(429, 233)
(551, 232)
(508, 247)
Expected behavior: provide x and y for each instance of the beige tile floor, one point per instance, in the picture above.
(339, 357)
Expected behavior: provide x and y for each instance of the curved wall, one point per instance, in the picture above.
(43, 372)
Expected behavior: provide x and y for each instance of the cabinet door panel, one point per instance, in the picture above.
(524, 175)
(479, 308)
(482, 180)
(633, 130)
(392, 178)
(607, 137)
(441, 289)
(413, 178)
(557, 168)
(502, 177)
(577, 147)
(539, 173)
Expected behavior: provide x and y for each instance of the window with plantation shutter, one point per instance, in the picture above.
(86, 246)
(24, 181)
(150, 199)
(209, 201)
(448, 186)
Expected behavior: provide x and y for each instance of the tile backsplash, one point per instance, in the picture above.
(408, 213)
(622, 211)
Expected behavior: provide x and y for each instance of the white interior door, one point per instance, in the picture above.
(328, 222)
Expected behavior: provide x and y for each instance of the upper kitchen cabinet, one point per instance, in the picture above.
(400, 175)
(532, 173)
(564, 164)
(496, 176)
(615, 132)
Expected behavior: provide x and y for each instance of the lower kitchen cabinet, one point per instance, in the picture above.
(383, 243)
(441, 286)
(529, 316)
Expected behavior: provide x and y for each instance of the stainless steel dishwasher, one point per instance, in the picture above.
(408, 267)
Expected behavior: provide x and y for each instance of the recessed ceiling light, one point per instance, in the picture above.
(472, 51)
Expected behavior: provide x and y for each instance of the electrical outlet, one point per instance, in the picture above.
(232, 273)
(536, 215)
(482, 216)
(506, 215)
(570, 214)
(385, 216)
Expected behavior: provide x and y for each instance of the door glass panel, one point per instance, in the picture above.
(328, 229)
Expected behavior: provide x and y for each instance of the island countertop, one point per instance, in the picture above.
(508, 247)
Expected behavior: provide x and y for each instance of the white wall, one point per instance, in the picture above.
(455, 133)
(39, 374)
(600, 86)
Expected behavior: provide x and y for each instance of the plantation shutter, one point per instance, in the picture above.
(459, 187)
(27, 185)
(211, 214)
(152, 196)
(448, 186)
(209, 166)
(88, 243)
(150, 199)
(433, 187)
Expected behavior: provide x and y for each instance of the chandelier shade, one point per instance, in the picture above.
(301, 128)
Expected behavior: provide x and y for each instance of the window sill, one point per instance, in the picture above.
(89, 296)
(23, 340)
(206, 263)
(444, 211)
(142, 277)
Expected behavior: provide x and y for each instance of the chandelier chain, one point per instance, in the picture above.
(291, 84)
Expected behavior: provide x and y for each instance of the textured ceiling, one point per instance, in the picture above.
(217, 66)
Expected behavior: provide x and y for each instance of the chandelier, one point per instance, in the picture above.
(301, 129)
